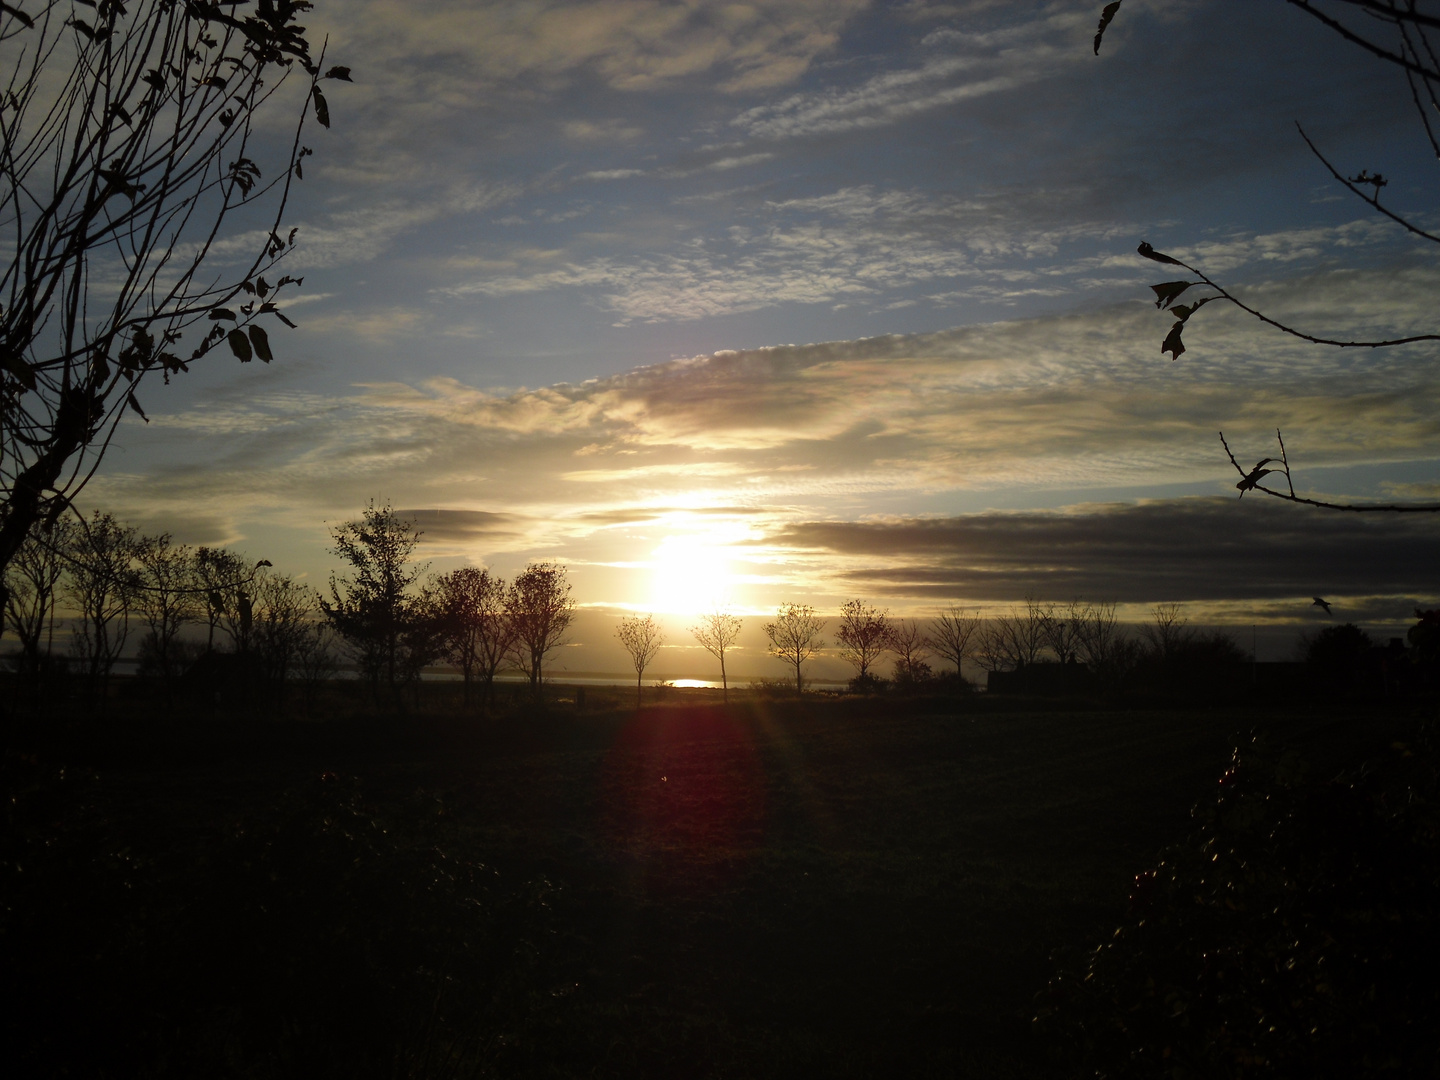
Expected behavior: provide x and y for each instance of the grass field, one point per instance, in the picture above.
(833, 887)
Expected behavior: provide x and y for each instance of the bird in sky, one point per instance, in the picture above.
(1321, 603)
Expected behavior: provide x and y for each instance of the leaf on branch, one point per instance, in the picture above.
(118, 110)
(155, 79)
(244, 172)
(341, 73)
(240, 345)
(130, 400)
(136, 355)
(86, 29)
(16, 13)
(222, 313)
(17, 367)
(1148, 252)
(211, 80)
(288, 280)
(1253, 477)
(1167, 292)
(322, 110)
(1183, 313)
(273, 310)
(116, 179)
(261, 287)
(261, 341)
(1172, 344)
(1105, 16)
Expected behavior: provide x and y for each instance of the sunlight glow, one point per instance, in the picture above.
(692, 572)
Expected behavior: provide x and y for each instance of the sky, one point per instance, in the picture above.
(793, 301)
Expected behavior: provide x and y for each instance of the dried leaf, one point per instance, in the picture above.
(1172, 344)
(1106, 15)
(1148, 252)
(322, 110)
(341, 73)
(16, 13)
(1167, 292)
(130, 400)
(261, 342)
(240, 345)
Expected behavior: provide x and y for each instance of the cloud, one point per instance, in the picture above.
(977, 65)
(629, 45)
(465, 527)
(997, 415)
(1198, 549)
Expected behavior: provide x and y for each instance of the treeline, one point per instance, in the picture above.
(262, 628)
(1081, 635)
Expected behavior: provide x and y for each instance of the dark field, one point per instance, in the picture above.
(839, 887)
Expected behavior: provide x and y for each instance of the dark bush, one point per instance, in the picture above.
(321, 939)
(1295, 933)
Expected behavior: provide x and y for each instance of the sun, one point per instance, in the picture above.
(690, 573)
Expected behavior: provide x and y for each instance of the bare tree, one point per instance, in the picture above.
(993, 649)
(539, 610)
(218, 574)
(166, 599)
(33, 581)
(470, 603)
(953, 636)
(908, 641)
(1061, 631)
(642, 639)
(101, 584)
(717, 633)
(1166, 633)
(128, 142)
(315, 658)
(863, 636)
(281, 612)
(1400, 33)
(1013, 640)
(795, 637)
(372, 607)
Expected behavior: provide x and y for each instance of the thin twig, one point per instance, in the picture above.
(1394, 508)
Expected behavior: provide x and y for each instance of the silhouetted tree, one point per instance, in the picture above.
(470, 603)
(1338, 654)
(101, 584)
(642, 640)
(863, 636)
(1166, 633)
(953, 636)
(907, 641)
(218, 574)
(1014, 639)
(166, 598)
(33, 581)
(1104, 646)
(717, 633)
(126, 140)
(281, 611)
(372, 608)
(315, 658)
(795, 637)
(1400, 33)
(1062, 628)
(539, 610)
